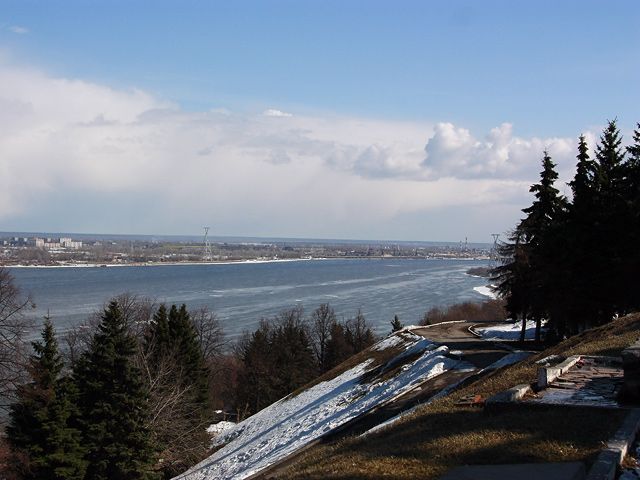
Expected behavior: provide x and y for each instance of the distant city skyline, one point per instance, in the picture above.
(406, 120)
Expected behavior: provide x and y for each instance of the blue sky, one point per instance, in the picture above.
(384, 72)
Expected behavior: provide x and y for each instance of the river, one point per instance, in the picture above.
(242, 293)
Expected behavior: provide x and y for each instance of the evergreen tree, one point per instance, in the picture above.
(292, 353)
(188, 354)
(631, 237)
(255, 389)
(578, 305)
(528, 277)
(513, 278)
(113, 404)
(608, 223)
(41, 432)
(338, 349)
(396, 324)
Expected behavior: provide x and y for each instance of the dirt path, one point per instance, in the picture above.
(457, 337)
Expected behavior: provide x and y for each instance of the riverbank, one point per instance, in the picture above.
(241, 262)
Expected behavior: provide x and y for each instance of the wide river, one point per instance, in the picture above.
(242, 293)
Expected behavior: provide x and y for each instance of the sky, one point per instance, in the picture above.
(390, 120)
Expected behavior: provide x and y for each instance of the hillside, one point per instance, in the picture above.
(394, 368)
(317, 432)
(442, 434)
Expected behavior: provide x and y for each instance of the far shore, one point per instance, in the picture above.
(232, 262)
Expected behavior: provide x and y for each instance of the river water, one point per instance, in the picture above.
(242, 293)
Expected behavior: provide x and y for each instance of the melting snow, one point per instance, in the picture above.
(293, 422)
(507, 331)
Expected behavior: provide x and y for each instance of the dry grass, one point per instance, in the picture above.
(442, 435)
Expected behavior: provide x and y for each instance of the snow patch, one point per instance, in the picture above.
(293, 422)
(508, 331)
(217, 429)
(487, 291)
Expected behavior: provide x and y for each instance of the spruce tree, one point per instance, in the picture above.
(529, 275)
(630, 280)
(41, 433)
(113, 403)
(396, 324)
(609, 225)
(338, 349)
(188, 354)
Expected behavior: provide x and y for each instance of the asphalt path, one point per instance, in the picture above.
(457, 337)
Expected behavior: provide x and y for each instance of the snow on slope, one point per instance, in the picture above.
(507, 331)
(487, 291)
(293, 422)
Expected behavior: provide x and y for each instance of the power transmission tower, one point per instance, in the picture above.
(208, 255)
(494, 251)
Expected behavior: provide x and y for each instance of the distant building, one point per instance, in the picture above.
(51, 244)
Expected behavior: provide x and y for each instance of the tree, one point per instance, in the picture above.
(113, 403)
(255, 389)
(338, 349)
(322, 320)
(396, 324)
(209, 334)
(14, 325)
(527, 277)
(187, 352)
(608, 217)
(295, 364)
(41, 431)
(177, 382)
(358, 333)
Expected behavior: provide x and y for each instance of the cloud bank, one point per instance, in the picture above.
(82, 156)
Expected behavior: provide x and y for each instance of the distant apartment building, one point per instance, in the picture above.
(51, 244)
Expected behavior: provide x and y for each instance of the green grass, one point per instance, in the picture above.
(442, 434)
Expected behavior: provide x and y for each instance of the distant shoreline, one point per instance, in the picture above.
(233, 262)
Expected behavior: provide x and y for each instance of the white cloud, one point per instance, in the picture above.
(19, 30)
(272, 112)
(454, 152)
(83, 156)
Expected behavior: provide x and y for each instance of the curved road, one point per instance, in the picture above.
(457, 337)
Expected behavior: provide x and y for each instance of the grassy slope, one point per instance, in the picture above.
(442, 435)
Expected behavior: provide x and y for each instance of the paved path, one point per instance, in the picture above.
(457, 337)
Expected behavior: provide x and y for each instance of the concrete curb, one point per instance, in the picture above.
(606, 465)
(546, 375)
(514, 394)
(472, 330)
(415, 327)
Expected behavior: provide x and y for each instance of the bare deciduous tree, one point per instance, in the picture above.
(209, 332)
(322, 320)
(15, 326)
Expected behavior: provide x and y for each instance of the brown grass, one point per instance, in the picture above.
(487, 311)
(442, 435)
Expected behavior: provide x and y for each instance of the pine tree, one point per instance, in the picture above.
(293, 356)
(629, 278)
(188, 354)
(513, 278)
(338, 349)
(255, 387)
(41, 431)
(113, 403)
(578, 304)
(528, 278)
(396, 324)
(608, 220)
